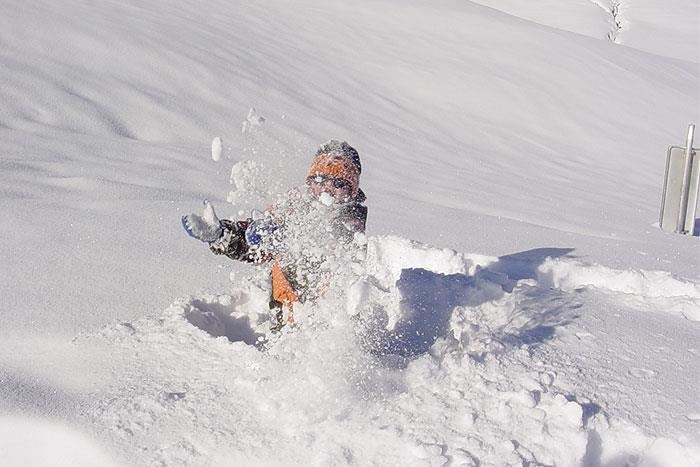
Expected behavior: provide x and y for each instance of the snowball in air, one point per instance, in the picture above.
(217, 145)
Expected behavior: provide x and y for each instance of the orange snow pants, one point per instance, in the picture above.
(282, 291)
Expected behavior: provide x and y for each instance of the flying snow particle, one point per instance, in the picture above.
(217, 146)
(253, 119)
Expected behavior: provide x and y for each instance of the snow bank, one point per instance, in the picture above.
(437, 364)
(669, 293)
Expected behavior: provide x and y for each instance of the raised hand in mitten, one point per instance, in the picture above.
(206, 228)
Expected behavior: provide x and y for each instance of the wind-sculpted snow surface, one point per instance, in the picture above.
(432, 358)
(518, 131)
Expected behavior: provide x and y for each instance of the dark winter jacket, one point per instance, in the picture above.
(242, 241)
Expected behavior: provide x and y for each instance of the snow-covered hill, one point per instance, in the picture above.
(524, 307)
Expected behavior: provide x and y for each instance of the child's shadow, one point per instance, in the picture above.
(429, 299)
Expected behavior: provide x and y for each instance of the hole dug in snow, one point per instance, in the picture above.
(219, 317)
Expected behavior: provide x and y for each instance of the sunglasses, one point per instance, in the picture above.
(335, 181)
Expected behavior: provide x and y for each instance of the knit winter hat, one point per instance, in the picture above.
(338, 159)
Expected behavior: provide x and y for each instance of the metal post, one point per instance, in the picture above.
(685, 186)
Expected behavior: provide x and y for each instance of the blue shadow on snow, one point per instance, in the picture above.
(429, 299)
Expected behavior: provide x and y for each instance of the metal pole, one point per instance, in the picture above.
(663, 192)
(685, 187)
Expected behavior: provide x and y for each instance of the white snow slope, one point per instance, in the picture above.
(523, 307)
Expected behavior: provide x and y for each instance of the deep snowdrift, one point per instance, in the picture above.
(434, 358)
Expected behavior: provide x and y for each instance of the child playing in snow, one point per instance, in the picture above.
(298, 234)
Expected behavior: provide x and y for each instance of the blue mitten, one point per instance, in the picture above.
(206, 228)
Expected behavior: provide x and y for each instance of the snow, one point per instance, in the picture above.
(665, 28)
(216, 149)
(518, 305)
(253, 119)
(60, 444)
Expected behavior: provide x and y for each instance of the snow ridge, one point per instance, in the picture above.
(667, 292)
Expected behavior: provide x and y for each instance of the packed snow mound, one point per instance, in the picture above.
(431, 358)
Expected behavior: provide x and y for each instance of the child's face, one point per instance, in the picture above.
(338, 188)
